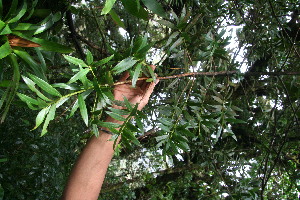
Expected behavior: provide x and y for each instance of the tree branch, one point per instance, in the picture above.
(221, 73)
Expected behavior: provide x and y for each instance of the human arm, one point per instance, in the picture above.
(89, 171)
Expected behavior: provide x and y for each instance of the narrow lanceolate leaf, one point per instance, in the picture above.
(124, 65)
(103, 61)
(236, 121)
(20, 14)
(133, 7)
(50, 116)
(47, 45)
(31, 86)
(41, 116)
(30, 61)
(44, 85)
(119, 111)
(48, 22)
(107, 7)
(130, 136)
(218, 99)
(89, 57)
(79, 75)
(116, 116)
(136, 74)
(152, 73)
(116, 18)
(5, 50)
(75, 61)
(155, 7)
(176, 43)
(83, 110)
(109, 125)
(12, 90)
(27, 99)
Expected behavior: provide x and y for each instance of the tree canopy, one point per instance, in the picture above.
(222, 123)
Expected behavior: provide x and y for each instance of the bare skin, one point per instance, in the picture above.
(88, 174)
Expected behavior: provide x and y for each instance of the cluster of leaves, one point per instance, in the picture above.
(14, 31)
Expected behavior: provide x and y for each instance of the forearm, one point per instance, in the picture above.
(89, 171)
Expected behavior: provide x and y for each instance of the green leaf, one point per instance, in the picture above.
(103, 61)
(65, 86)
(155, 7)
(128, 104)
(236, 121)
(6, 30)
(52, 46)
(109, 125)
(42, 60)
(61, 101)
(119, 111)
(46, 45)
(236, 108)
(1, 11)
(116, 116)
(12, 90)
(44, 85)
(116, 18)
(75, 61)
(2, 160)
(83, 110)
(5, 50)
(27, 99)
(132, 127)
(30, 61)
(89, 57)
(130, 136)
(217, 99)
(124, 65)
(31, 10)
(76, 106)
(78, 75)
(152, 73)
(12, 9)
(32, 87)
(183, 145)
(41, 116)
(2, 23)
(176, 43)
(135, 9)
(50, 116)
(48, 22)
(20, 13)
(107, 7)
(166, 23)
(136, 74)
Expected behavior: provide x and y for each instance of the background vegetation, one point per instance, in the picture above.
(223, 122)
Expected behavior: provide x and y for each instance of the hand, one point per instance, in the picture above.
(140, 94)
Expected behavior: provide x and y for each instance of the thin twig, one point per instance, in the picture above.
(221, 73)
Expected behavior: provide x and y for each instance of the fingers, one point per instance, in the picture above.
(147, 94)
(153, 67)
(124, 76)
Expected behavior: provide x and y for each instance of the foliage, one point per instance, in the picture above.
(219, 136)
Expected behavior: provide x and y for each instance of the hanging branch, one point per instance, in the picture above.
(221, 73)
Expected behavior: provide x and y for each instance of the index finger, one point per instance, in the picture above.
(124, 76)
